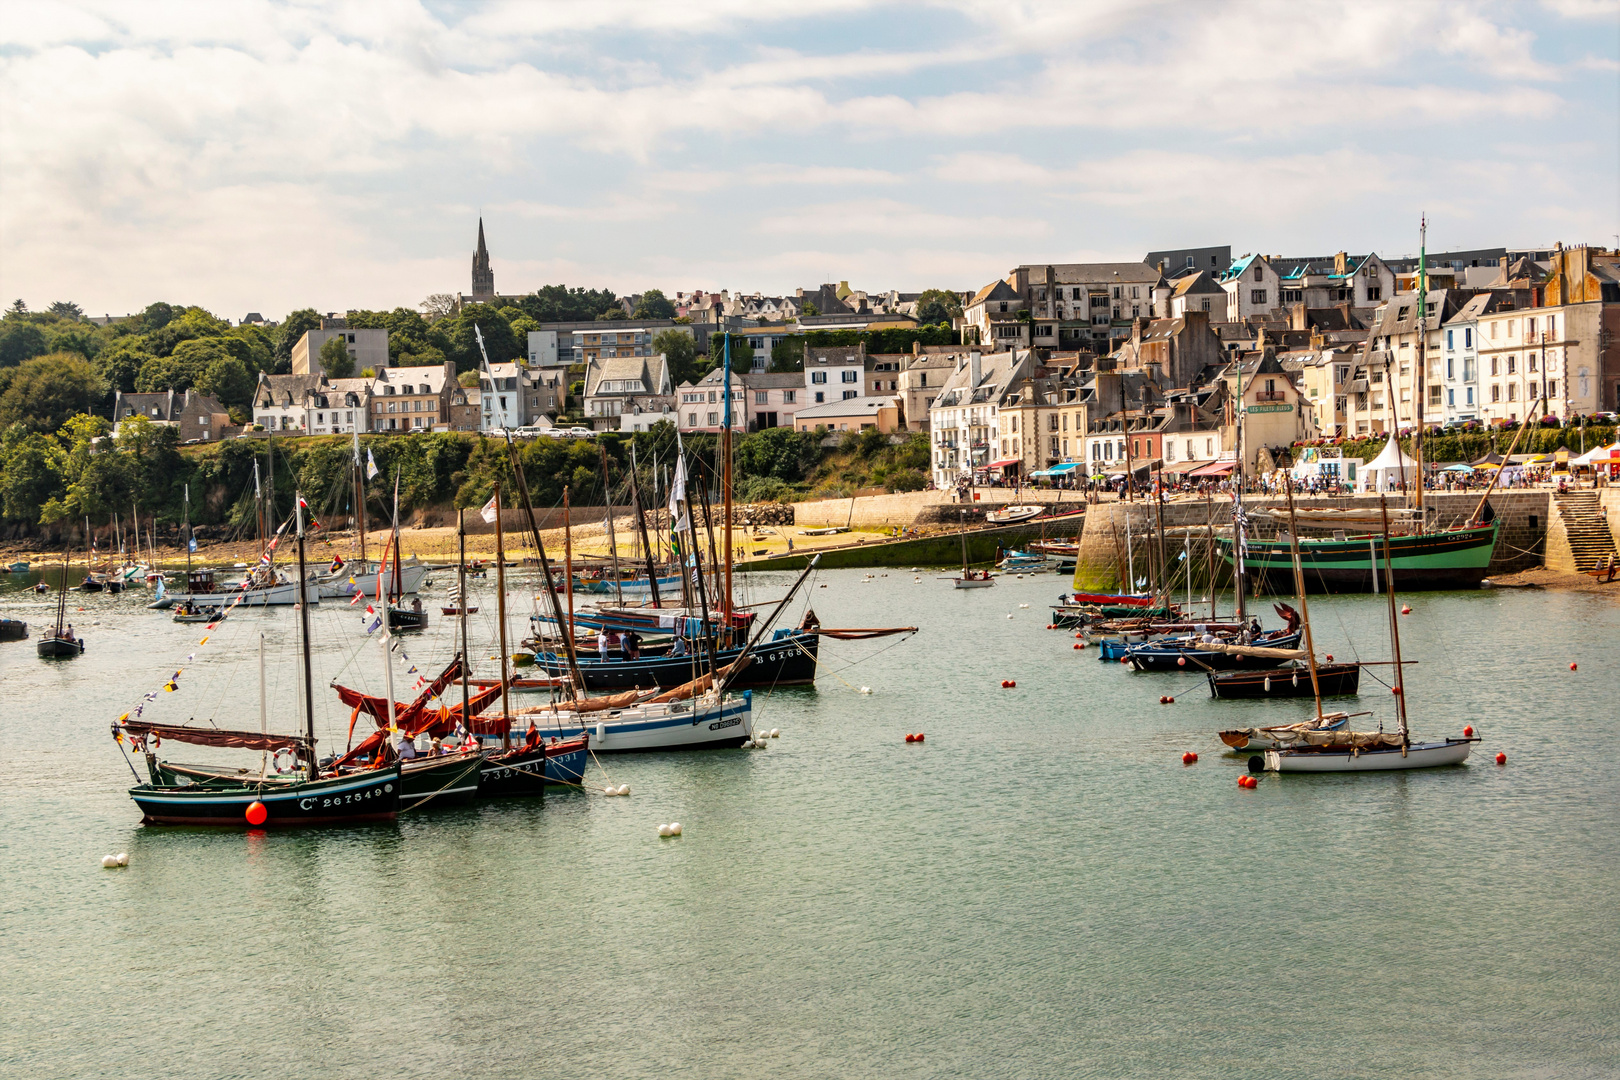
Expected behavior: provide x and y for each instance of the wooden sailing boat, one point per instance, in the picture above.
(245, 801)
(60, 640)
(399, 616)
(1366, 751)
(970, 579)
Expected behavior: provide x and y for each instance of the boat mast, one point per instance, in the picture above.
(545, 570)
(1299, 588)
(568, 565)
(1209, 522)
(303, 628)
(641, 524)
(613, 543)
(1394, 628)
(725, 491)
(360, 500)
(1422, 361)
(461, 605)
(188, 525)
(1239, 536)
(500, 615)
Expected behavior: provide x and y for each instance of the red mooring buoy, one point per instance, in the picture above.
(256, 813)
(919, 736)
(1501, 759)
(1572, 666)
(1468, 731)
(1188, 758)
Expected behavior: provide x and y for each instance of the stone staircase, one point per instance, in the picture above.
(1586, 531)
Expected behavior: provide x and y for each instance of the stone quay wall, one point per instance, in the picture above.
(1105, 543)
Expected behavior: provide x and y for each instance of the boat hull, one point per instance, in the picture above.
(974, 583)
(53, 647)
(676, 725)
(1417, 756)
(338, 586)
(1155, 657)
(406, 619)
(1456, 559)
(1335, 680)
(440, 781)
(280, 594)
(786, 661)
(525, 772)
(371, 796)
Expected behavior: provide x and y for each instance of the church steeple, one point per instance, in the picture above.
(483, 278)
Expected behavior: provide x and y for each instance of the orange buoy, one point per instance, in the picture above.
(1395, 690)
(1169, 701)
(1468, 731)
(1572, 666)
(1246, 781)
(910, 737)
(1079, 645)
(1181, 661)
(1080, 635)
(1011, 683)
(1161, 699)
(256, 813)
(1405, 610)
(1501, 759)
(1188, 758)
(919, 736)
(1330, 658)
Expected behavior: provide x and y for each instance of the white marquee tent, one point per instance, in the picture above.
(1384, 472)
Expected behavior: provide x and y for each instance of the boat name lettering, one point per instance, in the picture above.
(718, 724)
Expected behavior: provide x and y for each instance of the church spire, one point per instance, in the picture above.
(483, 278)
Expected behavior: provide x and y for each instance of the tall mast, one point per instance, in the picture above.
(303, 633)
(500, 614)
(359, 499)
(613, 542)
(725, 491)
(1394, 627)
(1299, 589)
(188, 526)
(1239, 536)
(461, 606)
(641, 523)
(258, 504)
(1422, 359)
(545, 571)
(568, 565)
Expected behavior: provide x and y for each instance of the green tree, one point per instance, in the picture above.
(228, 379)
(44, 392)
(32, 474)
(438, 305)
(742, 353)
(156, 316)
(335, 359)
(20, 340)
(779, 453)
(680, 351)
(807, 308)
(787, 354)
(67, 309)
(654, 305)
(938, 306)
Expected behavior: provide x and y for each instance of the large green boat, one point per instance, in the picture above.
(1449, 559)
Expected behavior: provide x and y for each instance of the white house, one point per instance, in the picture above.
(834, 373)
(501, 394)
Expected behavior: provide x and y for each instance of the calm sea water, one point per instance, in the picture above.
(1041, 889)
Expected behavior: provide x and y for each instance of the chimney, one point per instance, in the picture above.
(977, 368)
(916, 348)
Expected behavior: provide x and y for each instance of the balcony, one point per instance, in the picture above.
(1270, 395)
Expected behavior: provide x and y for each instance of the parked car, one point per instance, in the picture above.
(580, 433)
(1603, 418)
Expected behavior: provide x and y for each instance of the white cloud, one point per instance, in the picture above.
(265, 151)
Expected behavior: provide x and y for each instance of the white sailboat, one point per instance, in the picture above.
(1365, 751)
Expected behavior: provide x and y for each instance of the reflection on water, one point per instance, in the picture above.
(1040, 889)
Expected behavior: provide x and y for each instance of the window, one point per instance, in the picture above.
(1513, 364)
(1552, 388)
(714, 419)
(1552, 326)
(1513, 391)
(1434, 395)
(818, 377)
(1206, 305)
(1136, 292)
(761, 397)
(1116, 292)
(851, 393)
(1470, 393)
(789, 396)
(1052, 422)
(1054, 447)
(691, 419)
(1494, 361)
(1257, 296)
(1496, 392)
(1374, 292)
(820, 397)
(1448, 339)
(1209, 447)
(1451, 397)
(849, 376)
(320, 418)
(1450, 369)
(1532, 359)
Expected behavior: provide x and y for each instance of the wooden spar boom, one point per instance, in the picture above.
(1304, 605)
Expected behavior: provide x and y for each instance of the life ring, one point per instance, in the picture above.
(291, 763)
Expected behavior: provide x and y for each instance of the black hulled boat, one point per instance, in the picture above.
(1335, 680)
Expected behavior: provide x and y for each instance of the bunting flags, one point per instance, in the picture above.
(337, 564)
(304, 506)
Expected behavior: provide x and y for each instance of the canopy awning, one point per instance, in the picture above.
(1003, 463)
(1602, 455)
(1392, 457)
(1215, 468)
(1459, 467)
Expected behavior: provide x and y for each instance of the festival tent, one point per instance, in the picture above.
(1602, 455)
(1386, 471)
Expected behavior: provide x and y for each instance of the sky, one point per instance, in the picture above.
(258, 156)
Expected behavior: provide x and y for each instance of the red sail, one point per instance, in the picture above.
(242, 740)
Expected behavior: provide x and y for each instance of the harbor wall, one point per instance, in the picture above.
(1520, 545)
(905, 509)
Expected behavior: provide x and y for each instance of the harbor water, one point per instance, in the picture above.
(1041, 889)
